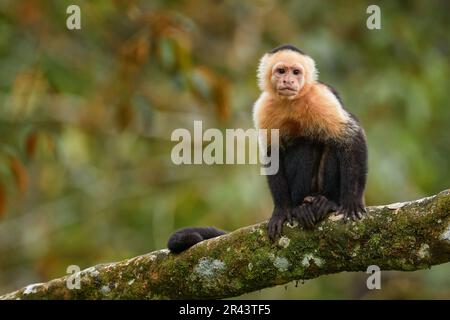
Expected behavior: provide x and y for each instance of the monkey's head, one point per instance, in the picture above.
(286, 72)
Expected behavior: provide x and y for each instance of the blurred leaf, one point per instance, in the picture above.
(167, 54)
(30, 144)
(201, 83)
(209, 88)
(64, 75)
(48, 143)
(124, 115)
(2, 200)
(136, 50)
(20, 174)
(221, 98)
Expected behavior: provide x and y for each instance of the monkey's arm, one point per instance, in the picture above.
(281, 196)
(353, 171)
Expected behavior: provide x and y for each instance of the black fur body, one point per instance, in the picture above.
(316, 177)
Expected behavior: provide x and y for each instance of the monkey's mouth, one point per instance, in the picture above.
(287, 91)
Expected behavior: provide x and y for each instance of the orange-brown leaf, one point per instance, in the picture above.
(30, 144)
(222, 98)
(2, 199)
(124, 115)
(20, 174)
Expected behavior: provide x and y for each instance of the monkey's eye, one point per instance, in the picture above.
(296, 72)
(280, 70)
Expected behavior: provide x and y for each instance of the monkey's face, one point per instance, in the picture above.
(286, 74)
(287, 79)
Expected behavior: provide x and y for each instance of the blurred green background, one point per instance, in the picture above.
(86, 117)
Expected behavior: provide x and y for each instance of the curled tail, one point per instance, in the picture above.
(185, 238)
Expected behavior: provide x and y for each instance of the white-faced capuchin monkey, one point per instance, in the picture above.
(322, 154)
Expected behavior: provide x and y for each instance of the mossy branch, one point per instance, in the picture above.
(405, 236)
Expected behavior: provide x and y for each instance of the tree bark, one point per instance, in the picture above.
(403, 236)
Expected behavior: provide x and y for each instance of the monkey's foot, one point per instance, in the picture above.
(352, 210)
(275, 225)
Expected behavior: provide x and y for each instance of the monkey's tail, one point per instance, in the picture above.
(185, 238)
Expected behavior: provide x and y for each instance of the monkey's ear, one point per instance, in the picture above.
(263, 72)
(312, 74)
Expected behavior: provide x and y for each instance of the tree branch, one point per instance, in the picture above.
(404, 236)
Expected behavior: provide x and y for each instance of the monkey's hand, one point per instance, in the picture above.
(352, 210)
(275, 225)
(321, 206)
(305, 215)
